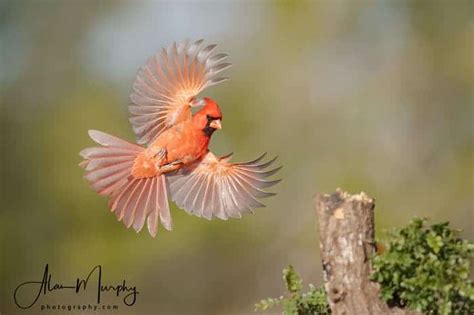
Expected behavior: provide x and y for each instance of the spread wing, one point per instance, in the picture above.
(165, 85)
(215, 187)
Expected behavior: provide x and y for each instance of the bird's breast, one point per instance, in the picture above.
(183, 142)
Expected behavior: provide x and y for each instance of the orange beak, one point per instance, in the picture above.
(216, 124)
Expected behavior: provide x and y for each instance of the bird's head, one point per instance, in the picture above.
(208, 118)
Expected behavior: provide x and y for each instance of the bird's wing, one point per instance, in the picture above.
(215, 187)
(163, 87)
(134, 200)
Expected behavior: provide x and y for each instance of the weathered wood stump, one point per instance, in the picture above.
(346, 234)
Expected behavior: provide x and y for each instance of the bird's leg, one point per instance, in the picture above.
(170, 166)
(160, 155)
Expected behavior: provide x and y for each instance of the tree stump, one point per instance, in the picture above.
(346, 236)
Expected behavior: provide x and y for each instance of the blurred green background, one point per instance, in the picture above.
(373, 96)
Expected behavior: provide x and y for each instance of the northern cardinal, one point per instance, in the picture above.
(176, 160)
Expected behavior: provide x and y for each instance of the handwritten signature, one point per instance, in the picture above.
(46, 285)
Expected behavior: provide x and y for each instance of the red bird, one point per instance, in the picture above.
(176, 161)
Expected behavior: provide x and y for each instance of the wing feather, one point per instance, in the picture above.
(208, 196)
(164, 86)
(215, 187)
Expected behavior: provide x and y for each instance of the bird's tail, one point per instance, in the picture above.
(108, 171)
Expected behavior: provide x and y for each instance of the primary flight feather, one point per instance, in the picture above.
(175, 160)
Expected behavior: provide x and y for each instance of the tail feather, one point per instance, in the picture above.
(104, 162)
(108, 171)
(144, 191)
(141, 212)
(111, 141)
(162, 203)
(106, 186)
(128, 199)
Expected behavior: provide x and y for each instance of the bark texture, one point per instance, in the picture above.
(346, 234)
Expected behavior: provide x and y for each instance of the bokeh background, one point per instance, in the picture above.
(373, 96)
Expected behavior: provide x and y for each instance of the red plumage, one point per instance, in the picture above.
(176, 161)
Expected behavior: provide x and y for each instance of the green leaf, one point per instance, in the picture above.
(313, 302)
(426, 269)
